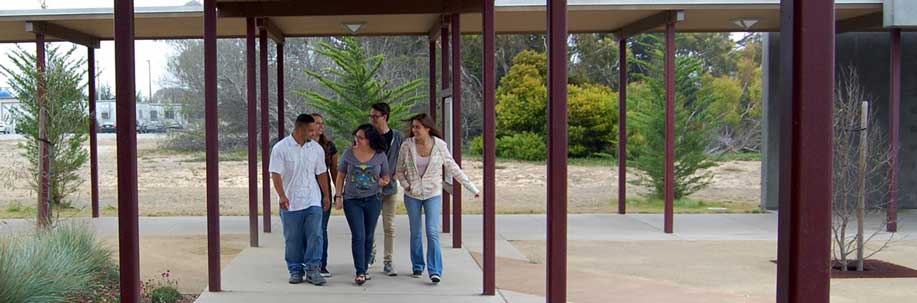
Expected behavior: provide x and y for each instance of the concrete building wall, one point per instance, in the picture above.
(869, 54)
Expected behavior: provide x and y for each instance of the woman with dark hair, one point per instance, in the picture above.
(331, 161)
(422, 160)
(362, 172)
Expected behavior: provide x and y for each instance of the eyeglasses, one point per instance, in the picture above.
(376, 116)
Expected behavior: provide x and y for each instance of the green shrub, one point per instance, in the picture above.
(522, 107)
(56, 265)
(164, 290)
(522, 146)
(477, 146)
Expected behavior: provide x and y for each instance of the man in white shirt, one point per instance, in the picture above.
(295, 162)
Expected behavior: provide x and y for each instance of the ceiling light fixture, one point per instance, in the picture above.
(745, 23)
(353, 27)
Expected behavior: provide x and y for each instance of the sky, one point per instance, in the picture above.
(105, 56)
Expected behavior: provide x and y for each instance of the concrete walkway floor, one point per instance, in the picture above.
(260, 275)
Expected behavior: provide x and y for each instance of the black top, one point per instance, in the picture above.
(389, 136)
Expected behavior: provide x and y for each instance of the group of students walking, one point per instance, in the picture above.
(365, 185)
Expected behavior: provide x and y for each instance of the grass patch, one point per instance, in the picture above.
(740, 156)
(691, 206)
(17, 210)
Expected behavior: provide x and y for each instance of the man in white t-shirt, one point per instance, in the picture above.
(295, 162)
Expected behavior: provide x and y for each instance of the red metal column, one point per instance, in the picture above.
(456, 128)
(265, 137)
(557, 152)
(281, 103)
(490, 153)
(669, 126)
(804, 230)
(93, 145)
(44, 192)
(894, 125)
(622, 124)
(212, 141)
(252, 131)
(125, 106)
(433, 93)
(444, 42)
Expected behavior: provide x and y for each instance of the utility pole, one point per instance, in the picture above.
(149, 80)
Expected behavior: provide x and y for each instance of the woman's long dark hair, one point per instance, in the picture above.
(426, 121)
(375, 139)
(322, 139)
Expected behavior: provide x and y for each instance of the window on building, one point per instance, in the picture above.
(154, 115)
(170, 114)
(105, 116)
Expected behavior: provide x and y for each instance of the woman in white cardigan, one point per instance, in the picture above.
(421, 161)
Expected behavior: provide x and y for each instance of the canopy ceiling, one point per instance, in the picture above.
(412, 17)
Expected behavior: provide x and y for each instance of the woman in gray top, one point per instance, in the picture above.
(362, 172)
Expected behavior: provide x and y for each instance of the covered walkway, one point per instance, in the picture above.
(258, 274)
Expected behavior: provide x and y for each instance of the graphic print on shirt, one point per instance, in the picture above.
(362, 177)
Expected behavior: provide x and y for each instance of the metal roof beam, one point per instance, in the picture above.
(864, 22)
(344, 7)
(272, 30)
(650, 23)
(436, 28)
(70, 35)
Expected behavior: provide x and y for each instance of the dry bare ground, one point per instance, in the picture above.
(174, 183)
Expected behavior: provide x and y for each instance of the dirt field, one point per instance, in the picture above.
(173, 183)
(185, 257)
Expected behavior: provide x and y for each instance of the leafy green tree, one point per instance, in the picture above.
(694, 120)
(68, 118)
(354, 86)
(522, 107)
(522, 95)
(593, 120)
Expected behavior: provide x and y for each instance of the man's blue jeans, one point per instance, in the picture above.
(302, 234)
(362, 215)
(430, 208)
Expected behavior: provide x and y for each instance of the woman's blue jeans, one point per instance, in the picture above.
(362, 215)
(431, 209)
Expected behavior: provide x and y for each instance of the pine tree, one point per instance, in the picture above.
(68, 118)
(694, 121)
(354, 87)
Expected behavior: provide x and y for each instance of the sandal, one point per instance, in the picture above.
(360, 279)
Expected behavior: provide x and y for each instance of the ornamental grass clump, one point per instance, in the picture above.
(66, 263)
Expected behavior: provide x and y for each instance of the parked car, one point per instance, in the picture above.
(108, 127)
(154, 127)
(172, 124)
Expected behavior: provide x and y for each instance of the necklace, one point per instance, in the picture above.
(424, 148)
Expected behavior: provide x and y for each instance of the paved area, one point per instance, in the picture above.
(260, 275)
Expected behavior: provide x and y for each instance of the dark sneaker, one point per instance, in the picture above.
(389, 270)
(435, 278)
(325, 273)
(315, 278)
(295, 278)
(417, 274)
